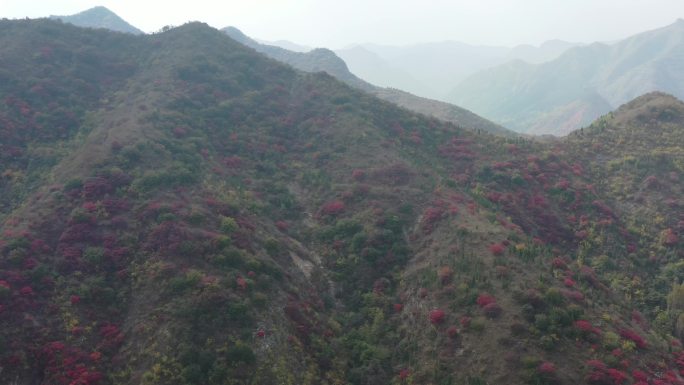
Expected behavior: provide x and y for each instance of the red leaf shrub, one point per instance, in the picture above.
(669, 237)
(452, 332)
(585, 326)
(638, 375)
(398, 307)
(631, 335)
(95, 356)
(358, 174)
(404, 374)
(573, 295)
(75, 299)
(333, 208)
(484, 300)
(559, 263)
(618, 377)
(26, 290)
(241, 283)
(602, 375)
(437, 316)
(465, 321)
(431, 216)
(497, 249)
(569, 282)
(546, 368)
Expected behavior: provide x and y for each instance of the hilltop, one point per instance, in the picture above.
(182, 209)
(99, 17)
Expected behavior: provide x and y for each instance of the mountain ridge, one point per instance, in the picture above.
(612, 74)
(322, 59)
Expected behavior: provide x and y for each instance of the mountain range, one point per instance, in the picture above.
(571, 91)
(181, 208)
(433, 69)
(325, 60)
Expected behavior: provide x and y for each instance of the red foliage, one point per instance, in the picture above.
(589, 275)
(437, 316)
(586, 327)
(96, 187)
(333, 208)
(404, 374)
(465, 321)
(569, 282)
(484, 300)
(559, 263)
(358, 174)
(261, 333)
(75, 299)
(497, 249)
(431, 216)
(282, 225)
(573, 295)
(95, 356)
(546, 368)
(398, 307)
(638, 375)
(452, 332)
(669, 237)
(618, 377)
(26, 290)
(241, 283)
(634, 337)
(639, 319)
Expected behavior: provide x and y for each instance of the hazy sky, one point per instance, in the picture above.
(337, 23)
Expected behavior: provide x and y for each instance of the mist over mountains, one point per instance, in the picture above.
(583, 83)
(432, 69)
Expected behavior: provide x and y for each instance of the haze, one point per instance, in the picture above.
(335, 24)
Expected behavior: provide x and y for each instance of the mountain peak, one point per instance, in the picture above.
(653, 106)
(99, 17)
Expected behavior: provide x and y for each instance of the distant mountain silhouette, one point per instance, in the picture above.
(321, 59)
(99, 17)
(432, 69)
(585, 82)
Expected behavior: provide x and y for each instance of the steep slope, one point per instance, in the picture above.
(221, 218)
(325, 60)
(99, 17)
(582, 84)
